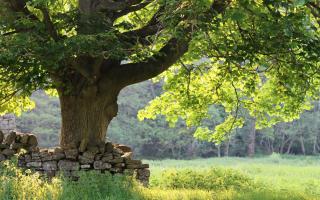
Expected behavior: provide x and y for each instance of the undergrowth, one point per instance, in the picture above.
(171, 184)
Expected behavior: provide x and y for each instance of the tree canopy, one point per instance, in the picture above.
(261, 56)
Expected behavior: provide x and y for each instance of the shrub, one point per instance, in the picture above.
(212, 179)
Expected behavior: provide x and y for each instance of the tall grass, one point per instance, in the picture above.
(274, 177)
(282, 172)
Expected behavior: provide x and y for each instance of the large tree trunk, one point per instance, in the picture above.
(85, 119)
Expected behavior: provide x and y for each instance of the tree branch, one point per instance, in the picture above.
(315, 10)
(20, 6)
(137, 72)
(132, 8)
(167, 56)
(16, 31)
(49, 24)
(90, 6)
(151, 28)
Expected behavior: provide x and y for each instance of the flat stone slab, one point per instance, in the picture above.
(50, 166)
(2, 157)
(101, 165)
(124, 148)
(67, 165)
(1, 136)
(10, 138)
(71, 154)
(8, 152)
(34, 164)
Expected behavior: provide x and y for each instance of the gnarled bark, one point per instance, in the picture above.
(85, 119)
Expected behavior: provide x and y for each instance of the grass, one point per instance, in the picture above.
(274, 177)
(283, 172)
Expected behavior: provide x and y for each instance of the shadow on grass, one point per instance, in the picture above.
(93, 185)
(16, 184)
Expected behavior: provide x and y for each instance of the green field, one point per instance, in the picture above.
(273, 177)
(297, 176)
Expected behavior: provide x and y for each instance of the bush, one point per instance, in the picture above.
(212, 179)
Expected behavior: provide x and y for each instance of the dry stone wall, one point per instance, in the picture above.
(113, 158)
(7, 123)
(12, 143)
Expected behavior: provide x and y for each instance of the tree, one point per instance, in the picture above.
(88, 50)
(79, 48)
(252, 140)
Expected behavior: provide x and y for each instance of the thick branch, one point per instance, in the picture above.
(20, 6)
(136, 72)
(133, 8)
(151, 28)
(130, 2)
(90, 6)
(49, 24)
(88, 67)
(17, 31)
(315, 10)
(315, 4)
(140, 35)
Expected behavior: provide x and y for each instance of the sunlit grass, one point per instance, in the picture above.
(281, 172)
(274, 177)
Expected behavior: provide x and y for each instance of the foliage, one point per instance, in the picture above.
(44, 43)
(11, 101)
(256, 57)
(260, 58)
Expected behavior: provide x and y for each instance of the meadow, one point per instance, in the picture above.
(273, 177)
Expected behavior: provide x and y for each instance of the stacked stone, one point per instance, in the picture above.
(13, 142)
(113, 158)
(7, 123)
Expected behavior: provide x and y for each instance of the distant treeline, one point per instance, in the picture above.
(155, 139)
